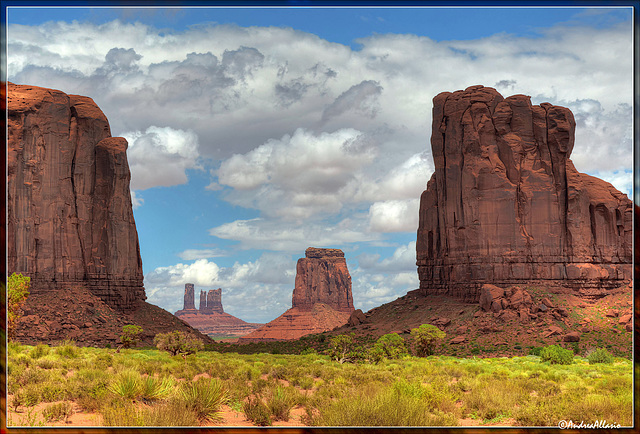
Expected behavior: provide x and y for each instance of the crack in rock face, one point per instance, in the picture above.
(506, 205)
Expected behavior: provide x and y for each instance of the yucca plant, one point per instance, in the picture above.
(153, 389)
(204, 397)
(127, 384)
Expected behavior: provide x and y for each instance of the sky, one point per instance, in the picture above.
(255, 133)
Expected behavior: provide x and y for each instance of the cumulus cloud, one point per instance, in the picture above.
(160, 156)
(361, 98)
(402, 260)
(298, 175)
(394, 216)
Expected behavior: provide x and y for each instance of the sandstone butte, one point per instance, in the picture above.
(321, 298)
(210, 318)
(506, 205)
(70, 221)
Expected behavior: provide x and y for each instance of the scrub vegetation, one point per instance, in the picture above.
(382, 385)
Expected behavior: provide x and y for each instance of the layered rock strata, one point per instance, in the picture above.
(70, 220)
(321, 300)
(506, 205)
(210, 317)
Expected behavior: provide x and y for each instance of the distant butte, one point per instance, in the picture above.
(506, 205)
(210, 318)
(321, 301)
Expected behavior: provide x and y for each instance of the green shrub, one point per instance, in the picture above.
(68, 349)
(170, 413)
(17, 293)
(204, 397)
(341, 346)
(38, 351)
(177, 343)
(556, 355)
(535, 351)
(391, 346)
(600, 355)
(130, 335)
(280, 403)
(425, 338)
(257, 412)
(57, 411)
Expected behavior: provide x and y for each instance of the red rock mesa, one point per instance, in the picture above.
(321, 299)
(506, 205)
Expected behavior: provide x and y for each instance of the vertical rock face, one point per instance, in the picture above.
(505, 203)
(70, 219)
(189, 297)
(322, 277)
(321, 299)
(214, 300)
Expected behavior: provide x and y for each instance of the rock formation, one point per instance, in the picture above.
(505, 204)
(210, 318)
(321, 298)
(70, 219)
(322, 277)
(189, 300)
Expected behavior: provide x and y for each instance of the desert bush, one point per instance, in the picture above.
(600, 355)
(67, 348)
(170, 413)
(257, 412)
(39, 351)
(204, 397)
(17, 293)
(386, 407)
(556, 355)
(391, 346)
(177, 343)
(128, 384)
(280, 402)
(120, 413)
(130, 335)
(341, 346)
(57, 411)
(425, 339)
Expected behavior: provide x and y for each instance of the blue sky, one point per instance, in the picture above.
(255, 133)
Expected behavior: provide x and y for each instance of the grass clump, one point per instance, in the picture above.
(556, 355)
(57, 411)
(154, 389)
(600, 355)
(257, 412)
(204, 397)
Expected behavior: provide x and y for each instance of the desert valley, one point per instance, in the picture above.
(525, 277)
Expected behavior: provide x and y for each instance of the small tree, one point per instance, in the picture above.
(425, 339)
(130, 335)
(341, 345)
(177, 343)
(18, 290)
(390, 346)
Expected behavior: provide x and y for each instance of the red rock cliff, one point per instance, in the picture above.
(70, 219)
(322, 277)
(506, 205)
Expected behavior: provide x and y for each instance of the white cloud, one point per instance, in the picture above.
(394, 216)
(160, 156)
(266, 234)
(191, 254)
(136, 200)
